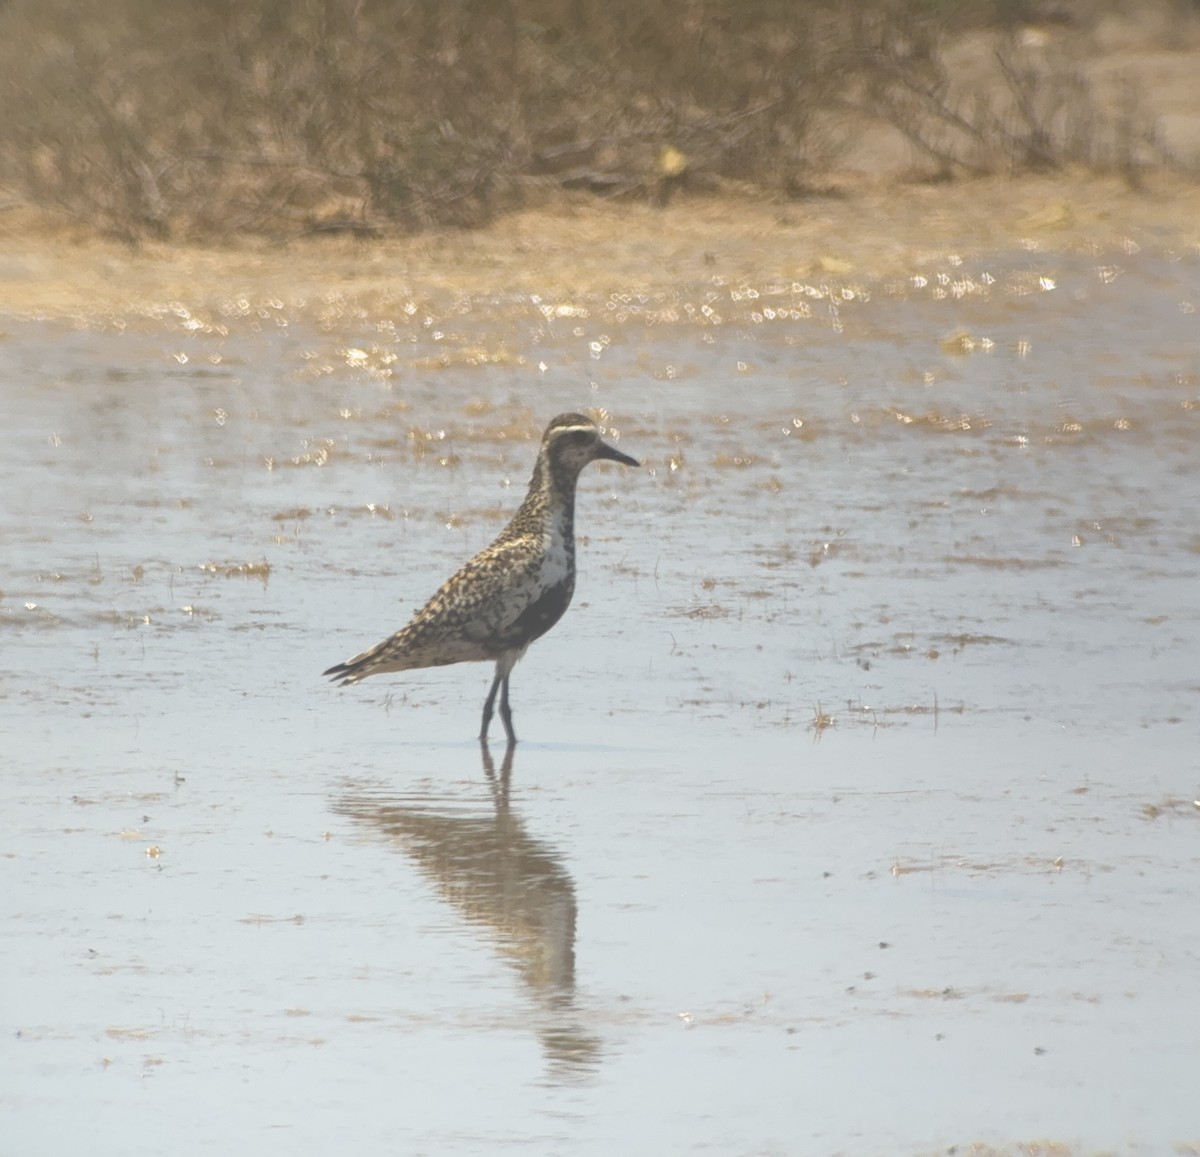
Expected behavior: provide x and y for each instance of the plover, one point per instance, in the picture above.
(512, 592)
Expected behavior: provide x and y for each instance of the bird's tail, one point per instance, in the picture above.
(374, 661)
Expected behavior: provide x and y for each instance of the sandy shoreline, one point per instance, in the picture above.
(589, 249)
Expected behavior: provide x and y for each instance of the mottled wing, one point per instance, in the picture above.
(483, 602)
(483, 610)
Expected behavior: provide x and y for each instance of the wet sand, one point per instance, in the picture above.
(592, 250)
(855, 809)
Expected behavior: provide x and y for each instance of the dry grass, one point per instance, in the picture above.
(1018, 99)
(159, 119)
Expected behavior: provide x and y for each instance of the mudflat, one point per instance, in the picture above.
(856, 807)
(875, 229)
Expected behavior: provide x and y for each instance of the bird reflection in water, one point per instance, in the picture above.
(501, 879)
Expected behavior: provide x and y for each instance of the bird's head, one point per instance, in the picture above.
(571, 441)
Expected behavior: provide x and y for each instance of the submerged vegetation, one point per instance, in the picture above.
(160, 118)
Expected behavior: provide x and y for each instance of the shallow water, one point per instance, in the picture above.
(855, 808)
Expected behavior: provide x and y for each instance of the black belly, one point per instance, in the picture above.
(537, 618)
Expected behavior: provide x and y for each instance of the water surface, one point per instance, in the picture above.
(855, 805)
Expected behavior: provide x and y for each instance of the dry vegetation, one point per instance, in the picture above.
(160, 118)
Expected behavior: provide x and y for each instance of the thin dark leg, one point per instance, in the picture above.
(506, 713)
(490, 702)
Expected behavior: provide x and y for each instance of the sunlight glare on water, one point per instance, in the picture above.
(862, 768)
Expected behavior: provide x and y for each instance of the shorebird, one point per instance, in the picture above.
(510, 593)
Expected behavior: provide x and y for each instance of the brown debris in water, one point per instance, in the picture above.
(1172, 807)
(991, 563)
(821, 721)
(258, 570)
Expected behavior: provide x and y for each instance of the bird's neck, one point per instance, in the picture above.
(549, 506)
